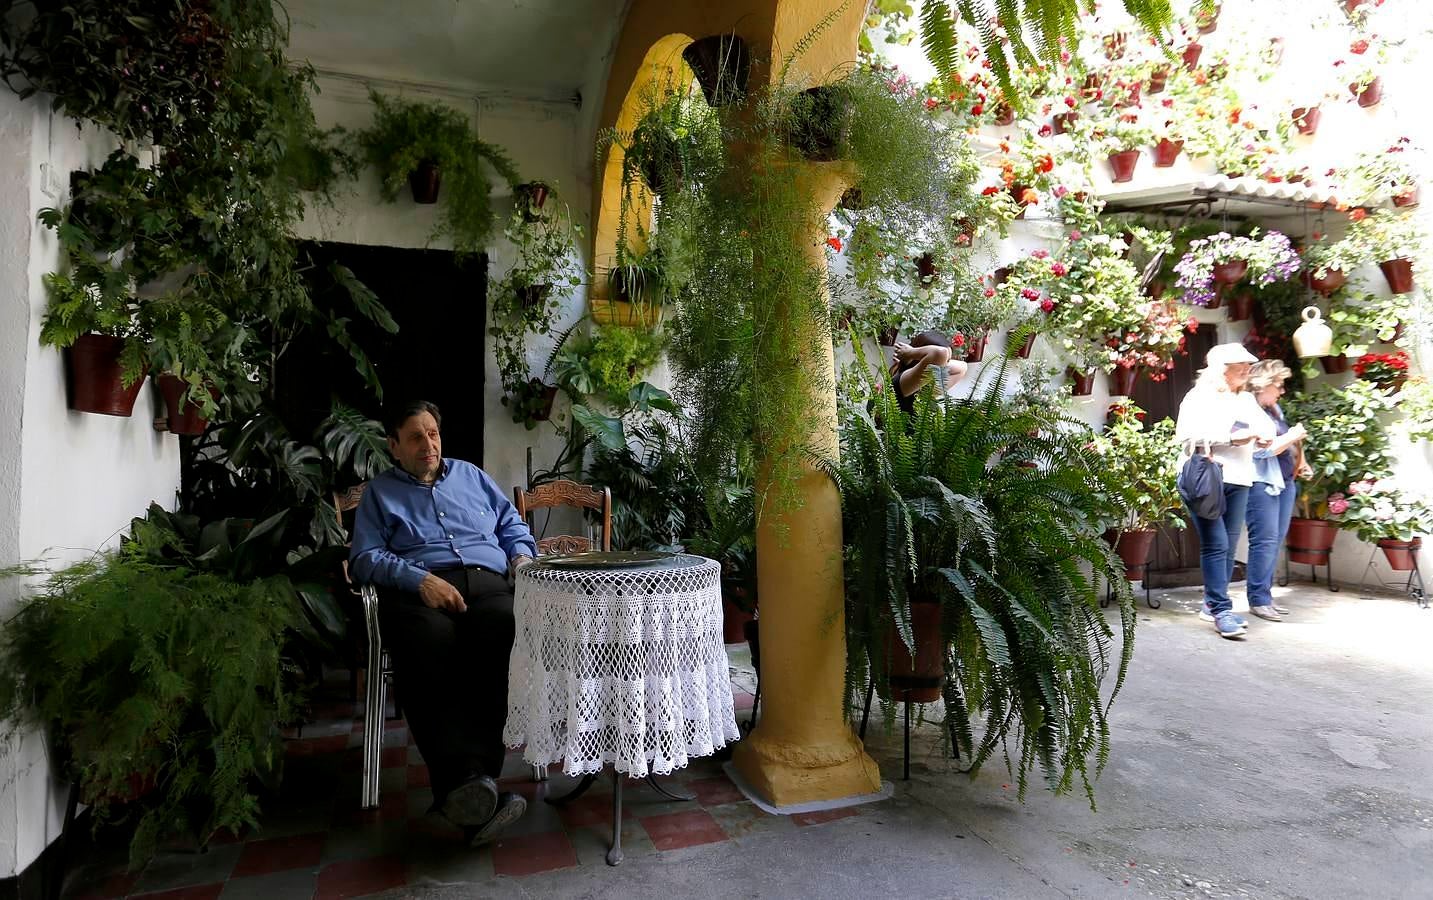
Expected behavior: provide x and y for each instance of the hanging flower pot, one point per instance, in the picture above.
(1133, 547)
(975, 348)
(1156, 289)
(821, 122)
(887, 337)
(1122, 165)
(532, 296)
(548, 395)
(1122, 380)
(1310, 541)
(1004, 115)
(722, 65)
(1333, 280)
(1406, 199)
(1114, 45)
(1207, 22)
(1306, 119)
(1397, 334)
(1082, 383)
(1241, 307)
(530, 198)
(1023, 351)
(1063, 122)
(918, 680)
(1017, 192)
(1230, 272)
(425, 181)
(1368, 94)
(1334, 365)
(965, 231)
(1158, 79)
(1166, 152)
(1402, 556)
(926, 268)
(853, 200)
(185, 416)
(1191, 55)
(1349, 6)
(97, 376)
(1000, 276)
(1399, 275)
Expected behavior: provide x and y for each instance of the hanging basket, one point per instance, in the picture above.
(1399, 274)
(926, 268)
(887, 337)
(530, 198)
(97, 376)
(722, 65)
(425, 182)
(1166, 152)
(1241, 307)
(917, 680)
(1122, 381)
(1333, 280)
(822, 122)
(1402, 556)
(1122, 166)
(1310, 541)
(1369, 94)
(1231, 272)
(1406, 199)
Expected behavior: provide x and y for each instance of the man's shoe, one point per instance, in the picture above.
(1266, 612)
(1281, 610)
(1228, 627)
(471, 803)
(510, 808)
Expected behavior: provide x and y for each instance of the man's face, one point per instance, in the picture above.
(1237, 375)
(418, 447)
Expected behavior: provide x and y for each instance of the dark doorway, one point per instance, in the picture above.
(1175, 559)
(438, 354)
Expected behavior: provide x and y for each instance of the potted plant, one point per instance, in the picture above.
(722, 64)
(1346, 443)
(418, 143)
(1122, 136)
(1382, 513)
(1391, 239)
(1387, 370)
(1378, 175)
(638, 278)
(976, 310)
(819, 122)
(1142, 462)
(1306, 120)
(1225, 259)
(92, 317)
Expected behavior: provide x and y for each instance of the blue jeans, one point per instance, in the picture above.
(1266, 525)
(1217, 540)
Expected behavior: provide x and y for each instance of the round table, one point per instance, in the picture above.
(620, 665)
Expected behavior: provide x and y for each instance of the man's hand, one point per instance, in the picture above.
(522, 559)
(439, 594)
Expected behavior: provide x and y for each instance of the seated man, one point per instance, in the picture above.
(438, 538)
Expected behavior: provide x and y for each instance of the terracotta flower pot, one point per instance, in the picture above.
(425, 181)
(184, 415)
(1406, 199)
(1306, 119)
(533, 295)
(1122, 165)
(1230, 272)
(1122, 380)
(1217, 300)
(1133, 548)
(887, 337)
(975, 348)
(1397, 334)
(1369, 94)
(1399, 274)
(1063, 122)
(1310, 541)
(97, 377)
(1004, 115)
(549, 397)
(1023, 351)
(722, 65)
(531, 197)
(1166, 152)
(1241, 307)
(1093, 82)
(926, 268)
(918, 680)
(1334, 365)
(1157, 80)
(733, 621)
(1332, 281)
(1208, 24)
(1191, 55)
(1000, 276)
(1349, 6)
(1083, 383)
(1402, 556)
(1017, 192)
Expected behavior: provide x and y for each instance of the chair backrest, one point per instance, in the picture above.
(344, 502)
(566, 493)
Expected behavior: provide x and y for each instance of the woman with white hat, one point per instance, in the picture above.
(1220, 418)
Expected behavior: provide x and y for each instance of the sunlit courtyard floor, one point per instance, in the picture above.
(1295, 763)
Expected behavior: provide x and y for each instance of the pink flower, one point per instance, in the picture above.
(931, 103)
(1070, 102)
(1046, 131)
(990, 292)
(1058, 269)
(1041, 253)
(1030, 293)
(1061, 191)
(1075, 235)
(1047, 305)
(1360, 487)
(1337, 504)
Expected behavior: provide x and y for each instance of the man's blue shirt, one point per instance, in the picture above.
(405, 529)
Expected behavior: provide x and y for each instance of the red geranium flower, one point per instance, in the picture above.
(1359, 46)
(834, 243)
(1047, 305)
(1358, 215)
(990, 191)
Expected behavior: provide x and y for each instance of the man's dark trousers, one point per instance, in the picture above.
(452, 672)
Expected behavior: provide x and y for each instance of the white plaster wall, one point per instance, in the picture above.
(543, 139)
(69, 482)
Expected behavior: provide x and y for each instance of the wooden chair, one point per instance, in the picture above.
(566, 493)
(378, 669)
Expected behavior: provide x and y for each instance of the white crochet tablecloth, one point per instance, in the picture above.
(623, 666)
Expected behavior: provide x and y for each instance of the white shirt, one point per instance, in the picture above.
(1209, 416)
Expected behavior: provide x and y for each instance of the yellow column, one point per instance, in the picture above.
(802, 749)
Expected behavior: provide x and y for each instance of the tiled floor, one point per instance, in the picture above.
(316, 842)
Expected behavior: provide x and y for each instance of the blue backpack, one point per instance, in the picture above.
(1201, 485)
